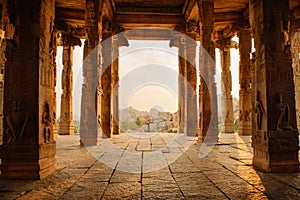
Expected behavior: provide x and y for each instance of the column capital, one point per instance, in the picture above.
(226, 43)
(68, 40)
(192, 27)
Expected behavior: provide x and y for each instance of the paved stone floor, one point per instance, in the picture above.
(157, 166)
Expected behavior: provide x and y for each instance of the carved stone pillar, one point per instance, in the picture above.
(66, 124)
(275, 142)
(226, 98)
(208, 112)
(180, 42)
(53, 63)
(245, 108)
(296, 67)
(106, 79)
(89, 120)
(119, 40)
(191, 117)
(2, 70)
(29, 149)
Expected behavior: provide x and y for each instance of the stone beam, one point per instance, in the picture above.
(149, 34)
(146, 19)
(187, 8)
(149, 10)
(228, 16)
(70, 14)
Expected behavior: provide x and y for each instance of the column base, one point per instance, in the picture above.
(229, 129)
(25, 161)
(90, 141)
(245, 130)
(276, 151)
(66, 130)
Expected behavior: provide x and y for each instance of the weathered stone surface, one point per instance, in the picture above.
(274, 89)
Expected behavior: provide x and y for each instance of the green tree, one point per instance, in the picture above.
(138, 122)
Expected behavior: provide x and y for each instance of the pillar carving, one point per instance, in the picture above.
(245, 108)
(29, 148)
(53, 63)
(90, 133)
(226, 98)
(66, 124)
(275, 141)
(119, 40)
(191, 118)
(296, 67)
(106, 79)
(208, 113)
(2, 70)
(179, 41)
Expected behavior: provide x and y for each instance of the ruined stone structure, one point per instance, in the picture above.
(32, 30)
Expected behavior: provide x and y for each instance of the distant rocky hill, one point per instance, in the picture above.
(132, 119)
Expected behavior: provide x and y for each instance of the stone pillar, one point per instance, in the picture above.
(89, 119)
(181, 84)
(29, 149)
(191, 117)
(54, 53)
(119, 40)
(226, 98)
(2, 69)
(66, 124)
(180, 41)
(106, 79)
(275, 142)
(245, 108)
(208, 112)
(296, 67)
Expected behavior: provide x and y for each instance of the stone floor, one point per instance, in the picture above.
(157, 166)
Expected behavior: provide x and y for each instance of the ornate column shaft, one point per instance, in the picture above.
(66, 124)
(226, 98)
(119, 40)
(53, 63)
(180, 42)
(106, 79)
(245, 112)
(296, 67)
(191, 117)
(275, 141)
(29, 149)
(208, 112)
(89, 119)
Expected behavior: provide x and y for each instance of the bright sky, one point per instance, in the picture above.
(148, 76)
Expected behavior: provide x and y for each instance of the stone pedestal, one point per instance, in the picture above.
(245, 108)
(276, 151)
(275, 140)
(28, 150)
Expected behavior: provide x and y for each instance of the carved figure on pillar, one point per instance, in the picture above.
(47, 122)
(259, 110)
(283, 122)
(16, 122)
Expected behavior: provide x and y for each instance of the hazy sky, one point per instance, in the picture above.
(148, 75)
